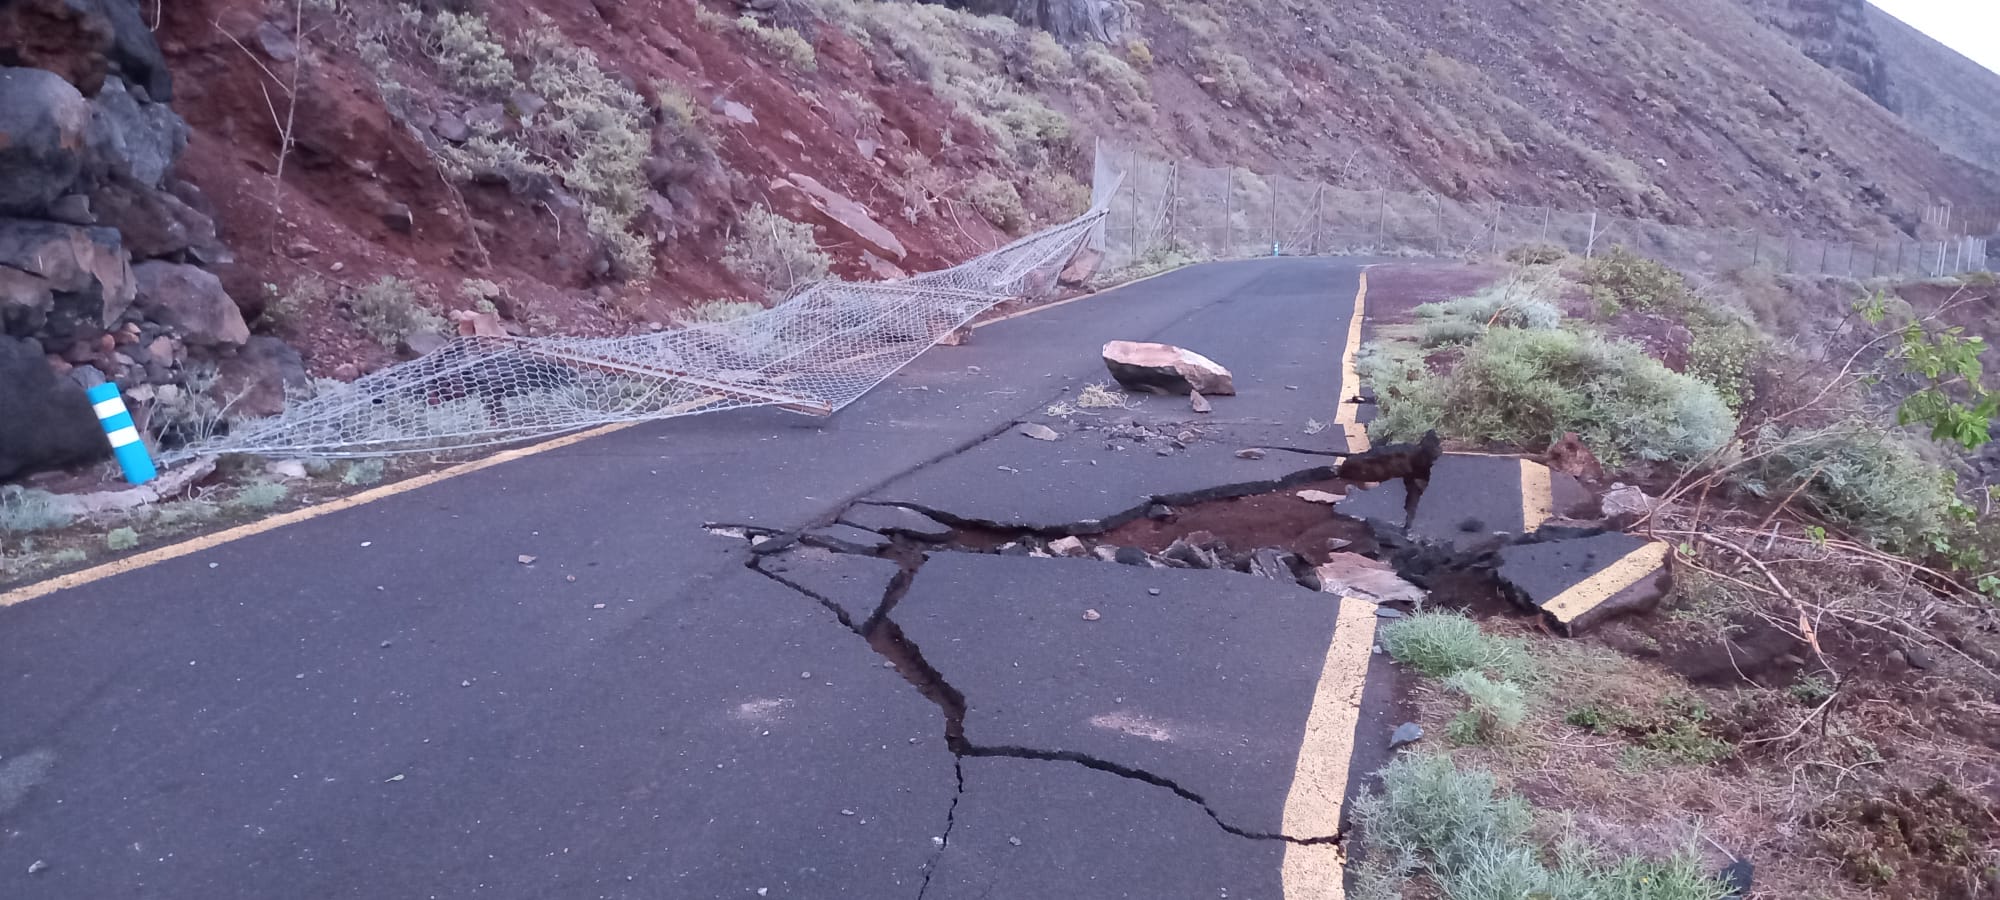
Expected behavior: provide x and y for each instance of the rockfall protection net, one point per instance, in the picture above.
(819, 350)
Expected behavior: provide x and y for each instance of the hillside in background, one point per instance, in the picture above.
(357, 178)
(1948, 98)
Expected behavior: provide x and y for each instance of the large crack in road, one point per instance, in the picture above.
(887, 639)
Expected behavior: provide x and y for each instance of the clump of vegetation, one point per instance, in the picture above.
(1856, 474)
(121, 538)
(1536, 255)
(715, 311)
(1128, 91)
(390, 309)
(1454, 825)
(1441, 644)
(287, 307)
(28, 510)
(472, 58)
(1497, 708)
(783, 43)
(191, 412)
(1621, 279)
(775, 252)
(996, 200)
(595, 130)
(362, 472)
(258, 496)
(1463, 319)
(1528, 387)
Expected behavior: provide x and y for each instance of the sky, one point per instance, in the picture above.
(1971, 27)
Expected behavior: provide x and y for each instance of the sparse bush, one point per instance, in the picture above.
(122, 538)
(176, 514)
(1229, 77)
(1445, 332)
(1510, 305)
(1621, 279)
(774, 252)
(192, 412)
(390, 309)
(27, 510)
(1497, 708)
(288, 307)
(1720, 350)
(258, 496)
(1857, 474)
(1529, 387)
(362, 472)
(1128, 91)
(1139, 54)
(1536, 255)
(713, 311)
(597, 131)
(1042, 59)
(1441, 644)
(782, 42)
(996, 200)
(1057, 196)
(1475, 843)
(470, 55)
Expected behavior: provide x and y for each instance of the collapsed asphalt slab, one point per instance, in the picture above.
(1205, 686)
(851, 584)
(1473, 501)
(1032, 828)
(742, 741)
(1579, 582)
(1077, 484)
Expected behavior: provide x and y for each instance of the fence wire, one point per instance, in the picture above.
(1171, 207)
(819, 350)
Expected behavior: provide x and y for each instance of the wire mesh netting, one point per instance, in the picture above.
(1170, 208)
(819, 350)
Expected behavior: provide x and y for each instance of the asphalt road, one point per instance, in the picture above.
(382, 702)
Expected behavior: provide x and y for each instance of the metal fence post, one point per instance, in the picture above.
(1276, 180)
(1173, 200)
(1899, 258)
(1381, 218)
(1493, 245)
(1825, 247)
(1590, 246)
(1546, 212)
(1438, 206)
(1319, 215)
(1756, 244)
(1788, 254)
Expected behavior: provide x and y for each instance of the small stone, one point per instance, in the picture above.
(1014, 841)
(1406, 734)
(465, 683)
(597, 606)
(1067, 546)
(1091, 615)
(570, 578)
(1159, 511)
(1335, 545)
(1155, 592)
(1384, 612)
(1319, 497)
(1199, 403)
(805, 676)
(1131, 556)
(39, 866)
(525, 559)
(847, 812)
(1039, 431)
(1918, 657)
(1250, 453)
(367, 543)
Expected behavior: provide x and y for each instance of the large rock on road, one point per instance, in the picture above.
(1165, 369)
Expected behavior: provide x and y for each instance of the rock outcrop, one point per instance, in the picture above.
(102, 248)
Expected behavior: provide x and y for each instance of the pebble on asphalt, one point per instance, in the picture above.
(1091, 615)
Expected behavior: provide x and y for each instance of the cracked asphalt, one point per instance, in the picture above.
(382, 702)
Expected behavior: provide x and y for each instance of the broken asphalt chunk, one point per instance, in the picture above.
(1199, 403)
(1250, 453)
(846, 539)
(1406, 734)
(895, 520)
(1038, 431)
(1354, 575)
(1580, 582)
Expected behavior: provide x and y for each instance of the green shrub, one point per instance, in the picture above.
(1509, 304)
(996, 200)
(775, 253)
(27, 510)
(1621, 279)
(597, 132)
(1529, 387)
(1536, 255)
(782, 42)
(1127, 90)
(362, 472)
(1497, 708)
(472, 58)
(1857, 474)
(390, 309)
(121, 539)
(258, 496)
(1450, 332)
(1720, 350)
(1441, 644)
(1475, 843)
(289, 307)
(714, 311)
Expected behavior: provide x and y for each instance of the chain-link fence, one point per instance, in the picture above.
(1168, 208)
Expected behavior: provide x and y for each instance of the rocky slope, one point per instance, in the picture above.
(1951, 99)
(229, 179)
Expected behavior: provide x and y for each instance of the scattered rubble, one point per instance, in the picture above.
(1354, 575)
(1199, 403)
(1165, 369)
(1039, 432)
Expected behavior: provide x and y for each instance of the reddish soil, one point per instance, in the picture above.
(1277, 519)
(1395, 289)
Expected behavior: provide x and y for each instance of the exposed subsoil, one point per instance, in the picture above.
(1275, 519)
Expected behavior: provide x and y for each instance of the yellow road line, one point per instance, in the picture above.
(1585, 595)
(207, 541)
(1538, 502)
(1348, 416)
(1319, 782)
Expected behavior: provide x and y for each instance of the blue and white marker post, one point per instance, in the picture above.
(124, 435)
